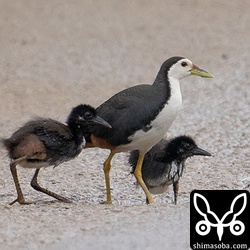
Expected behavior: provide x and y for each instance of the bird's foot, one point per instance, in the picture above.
(21, 201)
(150, 201)
(63, 199)
(106, 202)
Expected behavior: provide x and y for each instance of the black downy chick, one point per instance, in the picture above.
(164, 163)
(45, 142)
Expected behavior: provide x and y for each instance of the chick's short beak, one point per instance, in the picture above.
(101, 121)
(200, 72)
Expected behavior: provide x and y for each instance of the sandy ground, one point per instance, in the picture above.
(57, 54)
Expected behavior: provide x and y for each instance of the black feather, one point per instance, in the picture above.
(163, 164)
(134, 108)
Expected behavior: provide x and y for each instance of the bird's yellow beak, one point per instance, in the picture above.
(200, 72)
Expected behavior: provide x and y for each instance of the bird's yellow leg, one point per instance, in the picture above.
(138, 176)
(106, 168)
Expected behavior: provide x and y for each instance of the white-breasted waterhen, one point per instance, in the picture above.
(141, 115)
(164, 163)
(45, 142)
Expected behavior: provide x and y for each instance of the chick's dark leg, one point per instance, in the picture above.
(176, 190)
(106, 168)
(138, 176)
(20, 198)
(37, 187)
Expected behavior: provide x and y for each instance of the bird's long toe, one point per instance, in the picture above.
(63, 199)
(21, 201)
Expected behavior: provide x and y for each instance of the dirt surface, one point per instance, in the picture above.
(57, 54)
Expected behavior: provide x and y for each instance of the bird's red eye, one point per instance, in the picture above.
(183, 64)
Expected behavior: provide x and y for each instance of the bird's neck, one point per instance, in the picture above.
(77, 132)
(167, 85)
(169, 157)
(162, 81)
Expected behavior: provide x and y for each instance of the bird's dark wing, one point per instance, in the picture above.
(22, 132)
(53, 125)
(158, 151)
(149, 163)
(39, 136)
(128, 111)
(58, 141)
(155, 154)
(154, 173)
(56, 136)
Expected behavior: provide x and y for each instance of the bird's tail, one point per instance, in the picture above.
(6, 143)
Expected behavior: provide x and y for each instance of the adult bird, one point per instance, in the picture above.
(141, 115)
(45, 142)
(164, 163)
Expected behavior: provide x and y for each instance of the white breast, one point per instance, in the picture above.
(143, 141)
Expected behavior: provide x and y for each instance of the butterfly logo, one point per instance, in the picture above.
(203, 227)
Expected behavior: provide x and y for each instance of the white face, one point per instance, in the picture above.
(181, 69)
